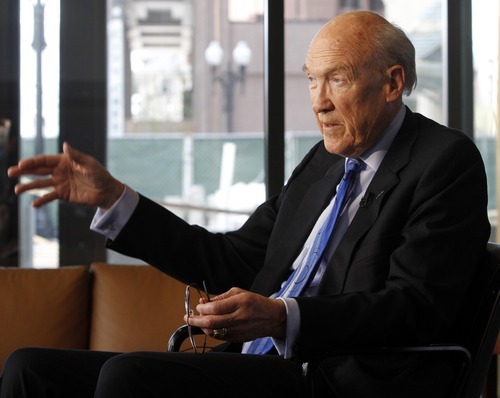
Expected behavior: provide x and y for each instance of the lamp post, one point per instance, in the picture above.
(228, 78)
(39, 45)
(43, 222)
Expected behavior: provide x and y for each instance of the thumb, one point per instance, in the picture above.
(71, 153)
(66, 148)
(75, 155)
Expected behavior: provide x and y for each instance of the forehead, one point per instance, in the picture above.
(324, 57)
(337, 47)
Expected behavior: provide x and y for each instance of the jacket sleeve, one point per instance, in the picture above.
(190, 253)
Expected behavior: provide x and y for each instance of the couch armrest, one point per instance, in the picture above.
(134, 307)
(43, 307)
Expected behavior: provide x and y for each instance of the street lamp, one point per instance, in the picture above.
(39, 45)
(43, 222)
(241, 56)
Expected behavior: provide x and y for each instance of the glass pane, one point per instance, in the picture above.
(422, 21)
(485, 31)
(39, 123)
(185, 113)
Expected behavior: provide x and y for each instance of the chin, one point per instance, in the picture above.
(338, 149)
(335, 149)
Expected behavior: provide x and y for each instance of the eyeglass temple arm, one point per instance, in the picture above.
(178, 337)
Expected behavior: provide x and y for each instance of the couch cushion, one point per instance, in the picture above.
(43, 307)
(134, 307)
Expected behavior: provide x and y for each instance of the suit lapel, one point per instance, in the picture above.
(383, 183)
(279, 261)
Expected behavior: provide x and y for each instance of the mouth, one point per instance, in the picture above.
(329, 126)
(327, 122)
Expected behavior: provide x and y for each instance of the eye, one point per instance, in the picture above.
(312, 81)
(338, 80)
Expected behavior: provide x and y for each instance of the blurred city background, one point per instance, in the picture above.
(185, 96)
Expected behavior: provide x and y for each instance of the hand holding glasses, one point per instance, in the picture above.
(195, 295)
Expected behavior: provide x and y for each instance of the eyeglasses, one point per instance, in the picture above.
(191, 300)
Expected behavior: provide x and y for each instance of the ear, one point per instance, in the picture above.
(395, 83)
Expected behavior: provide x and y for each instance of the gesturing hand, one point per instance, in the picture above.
(74, 176)
(245, 315)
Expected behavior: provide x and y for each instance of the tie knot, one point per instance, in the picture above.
(353, 164)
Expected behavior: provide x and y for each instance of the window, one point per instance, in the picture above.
(185, 114)
(186, 129)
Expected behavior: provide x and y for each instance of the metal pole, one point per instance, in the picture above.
(229, 90)
(39, 45)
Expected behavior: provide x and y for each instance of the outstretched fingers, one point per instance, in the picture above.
(39, 165)
(34, 184)
(49, 197)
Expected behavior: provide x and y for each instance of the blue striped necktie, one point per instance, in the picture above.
(302, 275)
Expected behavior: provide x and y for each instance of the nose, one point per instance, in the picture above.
(321, 101)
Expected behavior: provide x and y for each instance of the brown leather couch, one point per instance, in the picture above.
(105, 307)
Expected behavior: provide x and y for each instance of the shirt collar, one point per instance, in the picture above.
(373, 157)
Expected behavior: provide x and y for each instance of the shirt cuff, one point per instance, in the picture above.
(285, 346)
(110, 222)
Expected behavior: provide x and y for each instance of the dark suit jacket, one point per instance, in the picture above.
(400, 275)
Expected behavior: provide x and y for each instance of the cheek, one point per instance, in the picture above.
(350, 115)
(358, 113)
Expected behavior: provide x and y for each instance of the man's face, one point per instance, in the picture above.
(348, 95)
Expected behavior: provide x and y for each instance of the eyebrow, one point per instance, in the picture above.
(339, 68)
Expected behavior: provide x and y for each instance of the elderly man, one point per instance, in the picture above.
(382, 256)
